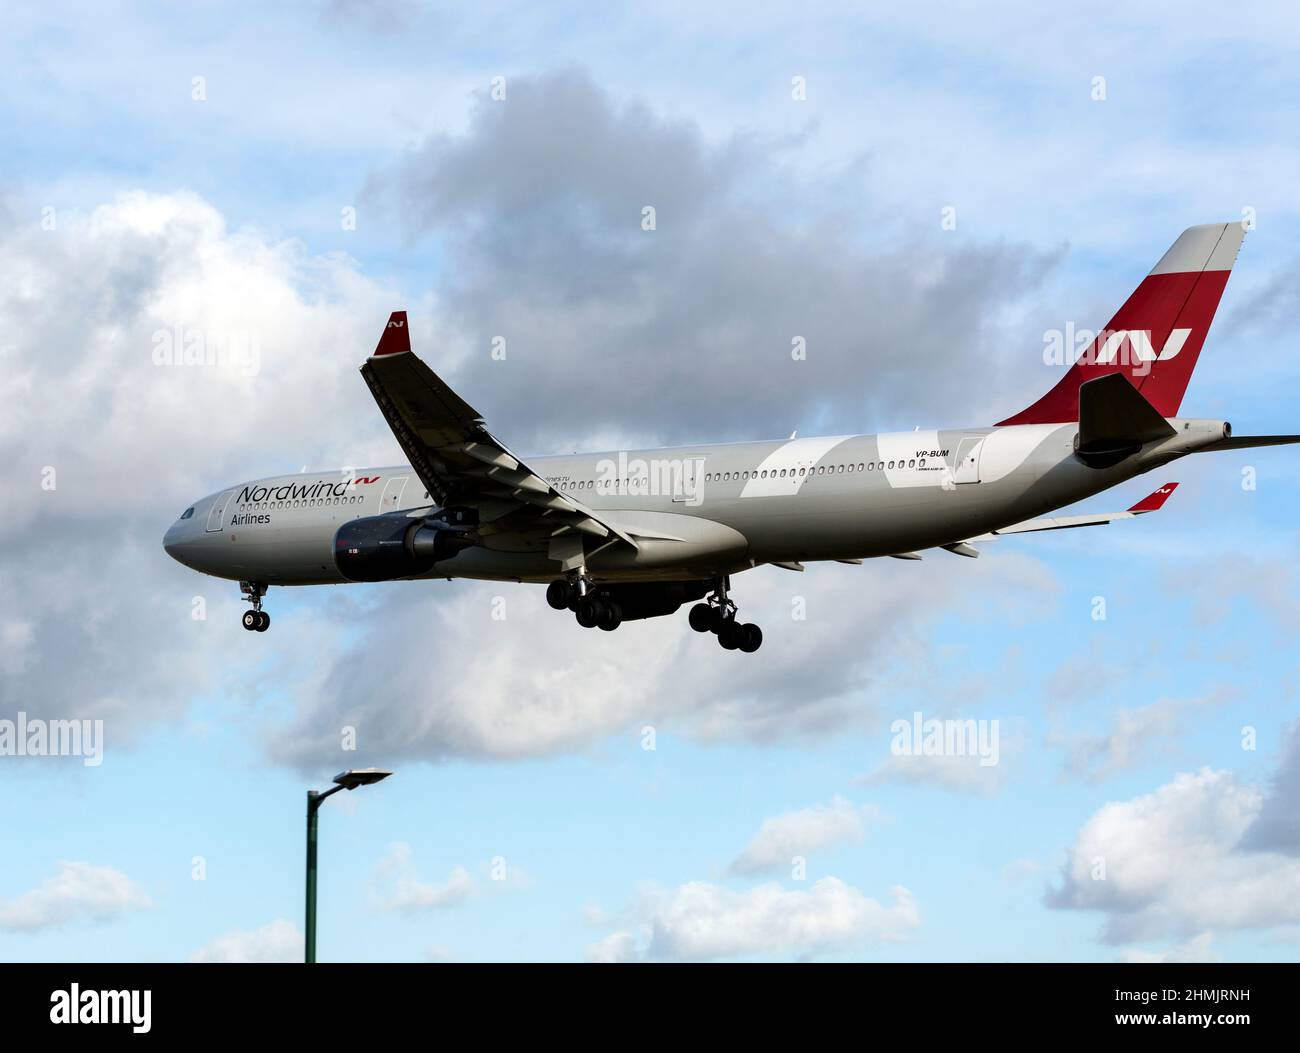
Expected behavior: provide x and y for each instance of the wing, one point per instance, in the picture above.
(1150, 503)
(463, 465)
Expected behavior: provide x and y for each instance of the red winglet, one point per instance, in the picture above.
(396, 338)
(1152, 502)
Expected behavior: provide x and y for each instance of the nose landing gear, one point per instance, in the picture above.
(256, 620)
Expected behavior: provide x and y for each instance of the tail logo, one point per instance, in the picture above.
(1140, 341)
(395, 323)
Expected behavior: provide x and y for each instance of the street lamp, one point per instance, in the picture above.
(348, 780)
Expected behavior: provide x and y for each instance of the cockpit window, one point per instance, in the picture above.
(187, 513)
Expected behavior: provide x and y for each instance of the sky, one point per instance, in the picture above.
(924, 196)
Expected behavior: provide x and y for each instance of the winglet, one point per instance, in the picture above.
(396, 338)
(1152, 502)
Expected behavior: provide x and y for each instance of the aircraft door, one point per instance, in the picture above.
(217, 514)
(391, 500)
(967, 463)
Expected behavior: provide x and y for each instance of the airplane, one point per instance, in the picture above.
(619, 536)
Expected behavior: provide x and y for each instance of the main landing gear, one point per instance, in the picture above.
(717, 614)
(256, 620)
(608, 606)
(592, 610)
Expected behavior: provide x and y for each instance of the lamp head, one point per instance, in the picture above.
(354, 777)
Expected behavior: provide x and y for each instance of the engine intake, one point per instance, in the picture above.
(385, 548)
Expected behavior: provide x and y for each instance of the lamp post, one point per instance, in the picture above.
(348, 780)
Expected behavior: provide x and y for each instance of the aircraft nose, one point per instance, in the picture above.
(179, 540)
(172, 542)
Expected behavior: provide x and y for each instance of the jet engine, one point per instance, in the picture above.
(383, 548)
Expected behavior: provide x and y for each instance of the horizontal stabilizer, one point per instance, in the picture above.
(1150, 503)
(1249, 442)
(1115, 420)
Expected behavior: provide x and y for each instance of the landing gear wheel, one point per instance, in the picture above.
(729, 635)
(589, 612)
(255, 620)
(702, 618)
(611, 617)
(751, 638)
(559, 594)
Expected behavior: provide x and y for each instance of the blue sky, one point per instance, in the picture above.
(526, 819)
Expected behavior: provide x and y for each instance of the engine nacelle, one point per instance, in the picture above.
(383, 548)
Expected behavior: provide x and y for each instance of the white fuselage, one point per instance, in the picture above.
(695, 512)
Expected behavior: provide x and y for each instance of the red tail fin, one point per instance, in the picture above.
(395, 338)
(1155, 338)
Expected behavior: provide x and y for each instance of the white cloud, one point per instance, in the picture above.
(1277, 826)
(400, 889)
(1197, 949)
(700, 921)
(616, 947)
(1172, 864)
(800, 833)
(1137, 734)
(276, 941)
(1019, 871)
(958, 773)
(106, 442)
(86, 304)
(534, 683)
(78, 891)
